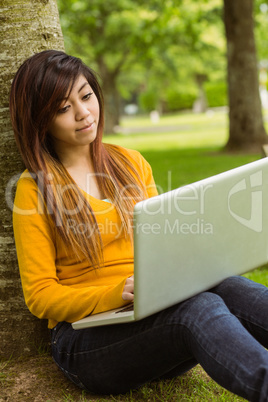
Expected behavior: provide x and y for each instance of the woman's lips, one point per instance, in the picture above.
(87, 127)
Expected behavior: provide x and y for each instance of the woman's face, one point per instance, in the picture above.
(75, 123)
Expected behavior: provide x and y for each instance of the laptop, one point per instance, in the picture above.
(190, 239)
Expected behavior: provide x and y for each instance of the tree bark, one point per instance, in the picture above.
(246, 130)
(27, 27)
(112, 105)
(110, 95)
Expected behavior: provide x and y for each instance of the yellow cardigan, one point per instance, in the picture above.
(56, 285)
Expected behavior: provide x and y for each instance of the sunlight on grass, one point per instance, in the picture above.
(179, 119)
(171, 132)
(167, 140)
(184, 130)
(185, 154)
(259, 275)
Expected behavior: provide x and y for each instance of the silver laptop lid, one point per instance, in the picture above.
(191, 238)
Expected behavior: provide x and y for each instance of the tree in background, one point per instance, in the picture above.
(151, 48)
(27, 27)
(246, 128)
(114, 36)
(156, 49)
(196, 49)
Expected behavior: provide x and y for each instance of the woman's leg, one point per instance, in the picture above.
(227, 351)
(114, 359)
(248, 301)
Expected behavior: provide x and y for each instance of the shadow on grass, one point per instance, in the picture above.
(38, 379)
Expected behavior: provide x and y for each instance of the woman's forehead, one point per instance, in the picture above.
(77, 86)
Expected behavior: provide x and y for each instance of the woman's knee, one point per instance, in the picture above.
(236, 287)
(235, 282)
(205, 299)
(204, 305)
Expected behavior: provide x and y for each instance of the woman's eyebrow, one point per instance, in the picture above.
(66, 97)
(85, 83)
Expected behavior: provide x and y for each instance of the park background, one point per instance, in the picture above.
(175, 91)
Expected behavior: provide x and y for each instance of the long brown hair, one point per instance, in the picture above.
(37, 91)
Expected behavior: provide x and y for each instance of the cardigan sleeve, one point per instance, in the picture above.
(35, 242)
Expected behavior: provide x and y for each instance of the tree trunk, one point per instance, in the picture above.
(27, 27)
(112, 107)
(111, 97)
(246, 131)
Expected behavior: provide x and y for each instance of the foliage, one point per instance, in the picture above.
(148, 100)
(178, 100)
(216, 93)
(261, 20)
(151, 53)
(146, 47)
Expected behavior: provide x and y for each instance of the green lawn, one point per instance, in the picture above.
(181, 148)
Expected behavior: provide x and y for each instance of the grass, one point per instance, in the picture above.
(181, 149)
(38, 379)
(259, 275)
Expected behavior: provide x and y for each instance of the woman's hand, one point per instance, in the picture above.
(128, 291)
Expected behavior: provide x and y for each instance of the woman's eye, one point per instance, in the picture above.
(87, 96)
(63, 109)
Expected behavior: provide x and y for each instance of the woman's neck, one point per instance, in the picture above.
(77, 158)
(79, 165)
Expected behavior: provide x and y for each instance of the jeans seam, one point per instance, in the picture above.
(249, 321)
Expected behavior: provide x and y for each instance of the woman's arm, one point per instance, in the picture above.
(35, 241)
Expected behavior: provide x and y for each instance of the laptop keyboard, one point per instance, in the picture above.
(130, 307)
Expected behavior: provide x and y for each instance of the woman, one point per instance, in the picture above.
(72, 225)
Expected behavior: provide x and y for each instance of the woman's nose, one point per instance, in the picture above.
(82, 112)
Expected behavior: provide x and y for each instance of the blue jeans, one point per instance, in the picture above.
(224, 329)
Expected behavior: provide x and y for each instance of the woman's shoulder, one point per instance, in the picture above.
(26, 180)
(27, 190)
(131, 154)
